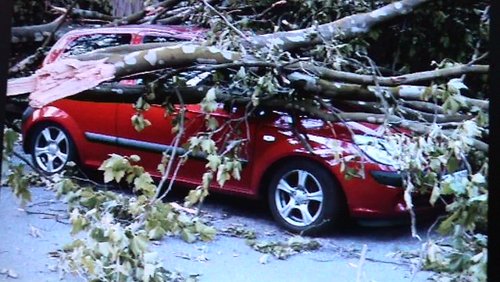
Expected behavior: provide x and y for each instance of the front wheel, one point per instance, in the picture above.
(51, 148)
(304, 198)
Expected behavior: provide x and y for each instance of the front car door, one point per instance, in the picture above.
(154, 140)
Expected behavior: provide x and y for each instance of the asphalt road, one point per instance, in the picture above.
(27, 238)
(29, 235)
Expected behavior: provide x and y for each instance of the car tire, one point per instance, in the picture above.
(51, 148)
(305, 198)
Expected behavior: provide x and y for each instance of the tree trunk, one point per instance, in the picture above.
(123, 8)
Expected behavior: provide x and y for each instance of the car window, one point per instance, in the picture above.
(91, 42)
(160, 39)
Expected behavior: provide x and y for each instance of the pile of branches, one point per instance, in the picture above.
(302, 70)
(414, 64)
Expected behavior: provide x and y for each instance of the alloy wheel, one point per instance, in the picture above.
(51, 149)
(299, 198)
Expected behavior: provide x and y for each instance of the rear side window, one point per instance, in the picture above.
(91, 42)
(160, 39)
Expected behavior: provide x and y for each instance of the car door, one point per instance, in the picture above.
(152, 141)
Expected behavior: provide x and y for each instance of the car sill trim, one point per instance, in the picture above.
(142, 145)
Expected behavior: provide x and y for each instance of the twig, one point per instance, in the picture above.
(158, 15)
(44, 203)
(475, 57)
(179, 207)
(302, 137)
(366, 259)
(56, 216)
(41, 213)
(230, 25)
(178, 137)
(361, 262)
(281, 2)
(434, 225)
(86, 179)
(41, 173)
(139, 15)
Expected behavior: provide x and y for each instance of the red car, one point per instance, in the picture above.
(306, 191)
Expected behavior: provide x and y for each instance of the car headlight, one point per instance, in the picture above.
(374, 148)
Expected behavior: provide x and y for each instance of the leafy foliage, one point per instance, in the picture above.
(118, 228)
(443, 34)
(438, 166)
(283, 250)
(16, 177)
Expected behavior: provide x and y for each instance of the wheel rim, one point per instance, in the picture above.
(299, 198)
(51, 149)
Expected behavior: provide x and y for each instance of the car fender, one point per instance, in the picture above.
(274, 146)
(51, 114)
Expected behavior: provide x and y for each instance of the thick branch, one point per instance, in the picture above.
(84, 14)
(139, 15)
(39, 53)
(423, 106)
(337, 90)
(397, 80)
(347, 27)
(67, 77)
(35, 33)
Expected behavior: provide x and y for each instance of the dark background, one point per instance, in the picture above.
(5, 22)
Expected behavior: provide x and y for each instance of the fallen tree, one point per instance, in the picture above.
(316, 68)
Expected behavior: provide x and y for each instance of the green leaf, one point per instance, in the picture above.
(139, 122)
(436, 192)
(138, 245)
(241, 74)
(194, 142)
(213, 162)
(212, 123)
(453, 164)
(207, 180)
(187, 235)
(236, 170)
(109, 175)
(208, 104)
(144, 183)
(451, 105)
(208, 146)
(156, 233)
(222, 175)
(207, 233)
(141, 104)
(78, 224)
(435, 164)
(193, 197)
(9, 140)
(135, 158)
(104, 248)
(448, 224)
(20, 184)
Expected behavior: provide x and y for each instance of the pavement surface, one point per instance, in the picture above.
(29, 235)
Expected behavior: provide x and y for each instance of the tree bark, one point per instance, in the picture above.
(34, 33)
(345, 28)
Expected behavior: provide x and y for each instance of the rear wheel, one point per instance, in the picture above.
(304, 197)
(51, 148)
